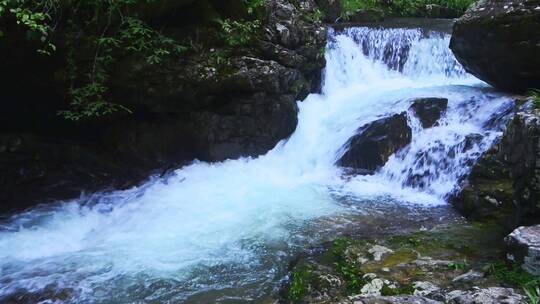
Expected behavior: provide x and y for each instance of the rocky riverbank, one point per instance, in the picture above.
(212, 104)
(456, 263)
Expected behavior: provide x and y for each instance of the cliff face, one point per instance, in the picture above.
(213, 103)
(499, 42)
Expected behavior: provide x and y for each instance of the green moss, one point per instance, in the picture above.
(456, 242)
(402, 255)
(401, 290)
(346, 263)
(535, 96)
(459, 265)
(300, 87)
(300, 283)
(513, 274)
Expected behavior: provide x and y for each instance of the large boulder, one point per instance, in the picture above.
(520, 149)
(429, 110)
(505, 183)
(499, 41)
(375, 142)
(488, 192)
(524, 248)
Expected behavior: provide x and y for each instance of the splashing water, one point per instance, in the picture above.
(233, 225)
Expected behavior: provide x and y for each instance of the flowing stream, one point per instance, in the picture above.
(224, 232)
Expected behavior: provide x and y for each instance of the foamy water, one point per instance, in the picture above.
(229, 225)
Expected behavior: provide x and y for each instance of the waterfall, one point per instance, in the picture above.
(234, 224)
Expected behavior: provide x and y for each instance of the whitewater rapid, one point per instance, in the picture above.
(226, 225)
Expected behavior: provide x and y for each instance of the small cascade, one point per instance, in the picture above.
(234, 225)
(440, 157)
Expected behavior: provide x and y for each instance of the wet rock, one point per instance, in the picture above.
(488, 192)
(497, 41)
(469, 276)
(379, 251)
(432, 263)
(520, 150)
(376, 142)
(395, 300)
(505, 183)
(492, 295)
(524, 248)
(424, 288)
(429, 110)
(373, 288)
(54, 168)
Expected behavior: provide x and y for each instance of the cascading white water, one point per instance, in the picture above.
(232, 224)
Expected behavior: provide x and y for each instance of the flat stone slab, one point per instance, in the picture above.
(492, 295)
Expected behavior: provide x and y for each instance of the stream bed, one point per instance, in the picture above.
(226, 232)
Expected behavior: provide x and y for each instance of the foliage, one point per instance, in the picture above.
(316, 16)
(35, 16)
(347, 266)
(300, 283)
(404, 8)
(412, 8)
(237, 33)
(401, 290)
(459, 265)
(108, 29)
(254, 6)
(351, 7)
(513, 275)
(535, 95)
(533, 294)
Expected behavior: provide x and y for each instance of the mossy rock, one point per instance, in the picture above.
(437, 256)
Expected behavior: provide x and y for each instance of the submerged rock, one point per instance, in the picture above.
(524, 248)
(429, 110)
(375, 142)
(498, 41)
(492, 295)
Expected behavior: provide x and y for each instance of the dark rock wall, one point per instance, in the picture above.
(210, 105)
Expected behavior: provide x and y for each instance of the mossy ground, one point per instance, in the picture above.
(437, 256)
